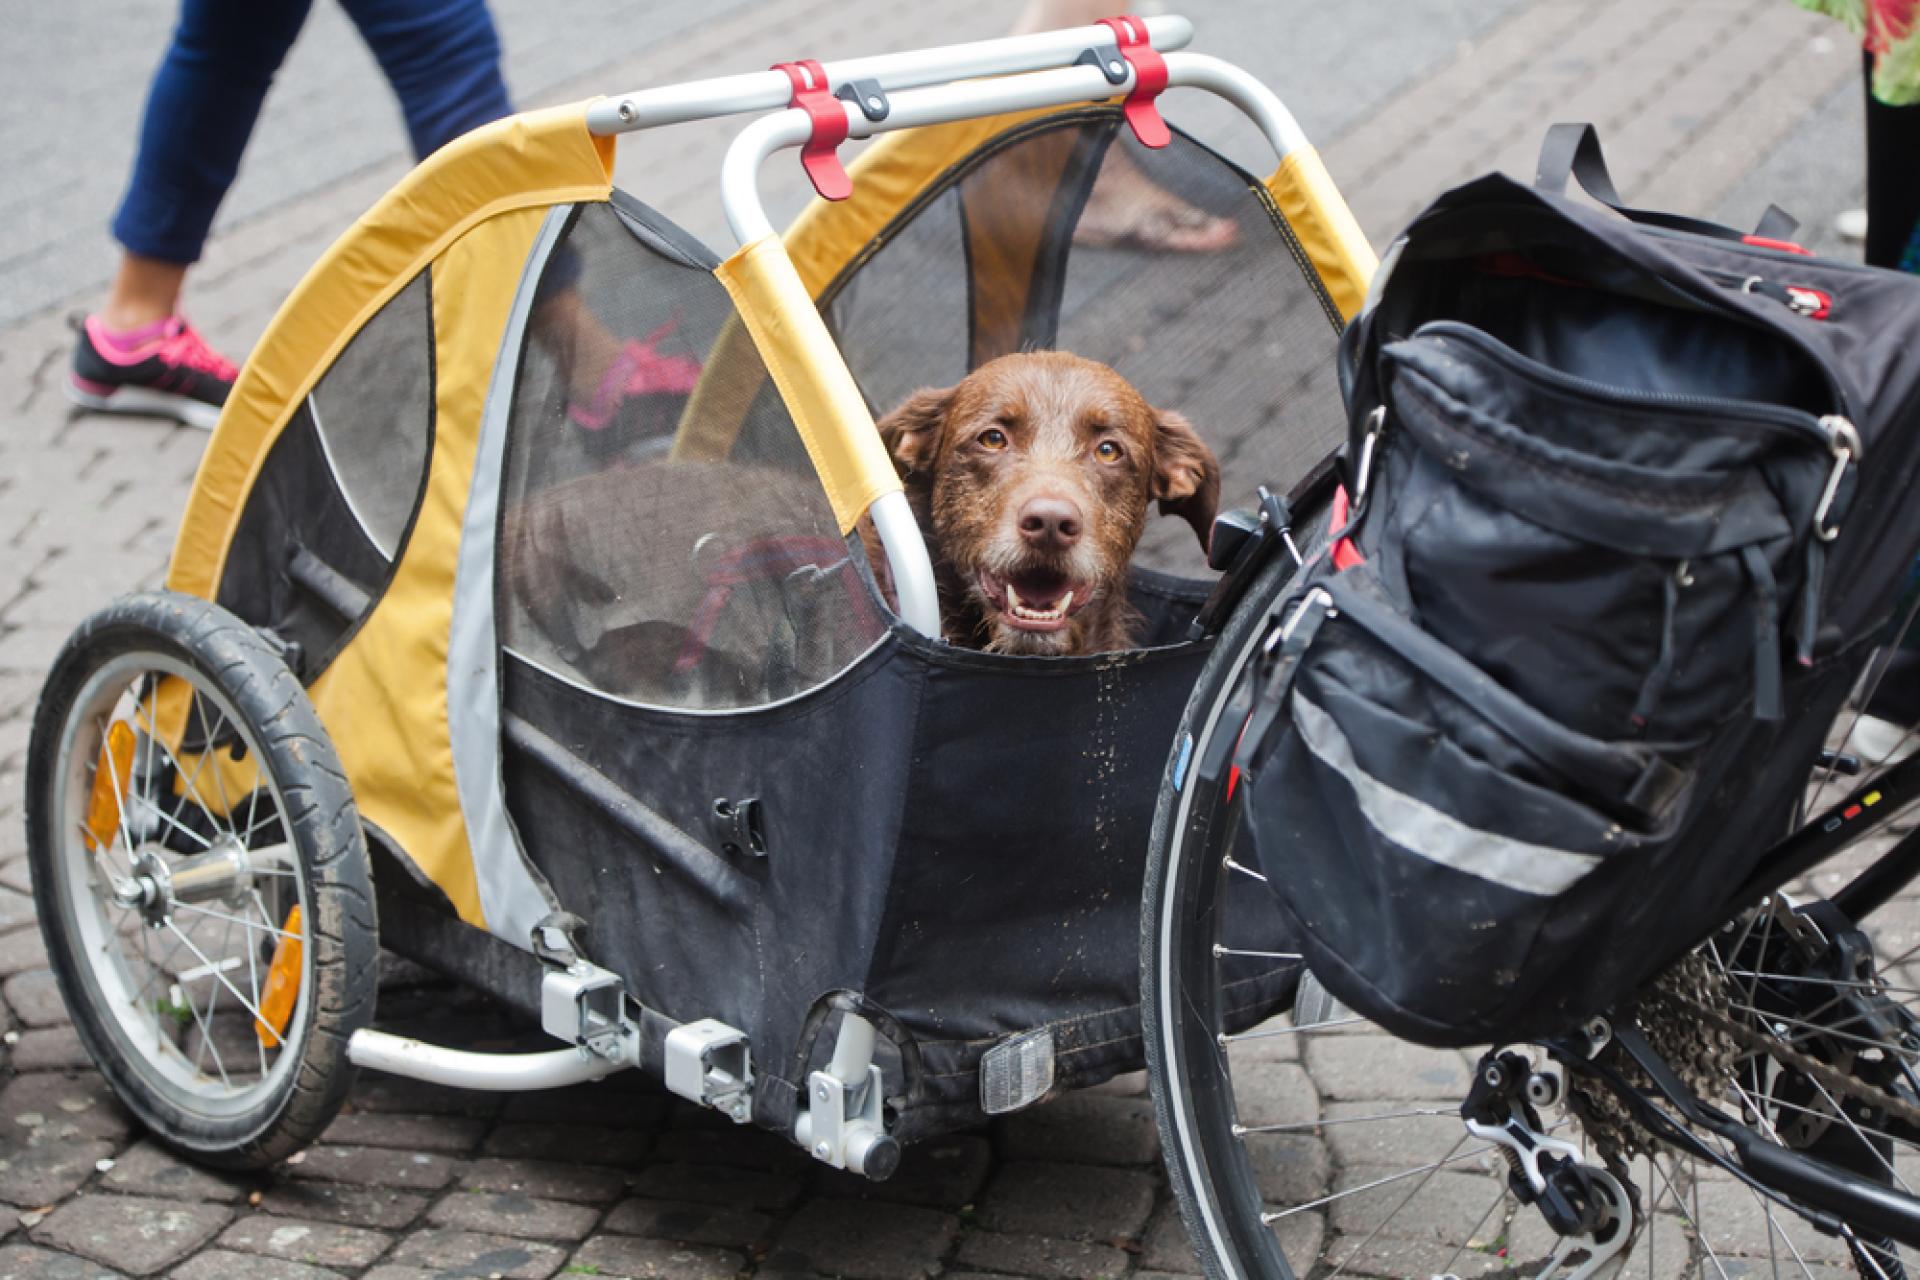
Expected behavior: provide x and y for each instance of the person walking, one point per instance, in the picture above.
(1889, 30)
(137, 353)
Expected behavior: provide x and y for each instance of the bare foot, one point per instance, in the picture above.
(1127, 210)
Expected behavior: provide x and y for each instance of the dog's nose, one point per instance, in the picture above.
(1050, 522)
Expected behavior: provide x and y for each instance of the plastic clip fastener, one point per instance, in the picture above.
(868, 96)
(828, 115)
(1149, 80)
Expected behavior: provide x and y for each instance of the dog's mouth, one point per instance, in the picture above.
(1035, 599)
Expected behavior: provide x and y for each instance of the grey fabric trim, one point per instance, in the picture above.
(1421, 829)
(513, 896)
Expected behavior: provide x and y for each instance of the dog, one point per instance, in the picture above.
(1032, 479)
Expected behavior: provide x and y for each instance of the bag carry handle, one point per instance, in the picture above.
(1573, 150)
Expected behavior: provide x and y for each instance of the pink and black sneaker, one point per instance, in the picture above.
(162, 370)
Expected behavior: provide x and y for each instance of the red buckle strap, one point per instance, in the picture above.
(820, 155)
(1149, 80)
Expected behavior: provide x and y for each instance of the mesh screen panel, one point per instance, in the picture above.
(1063, 234)
(373, 412)
(663, 535)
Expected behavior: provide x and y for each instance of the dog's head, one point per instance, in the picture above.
(1036, 472)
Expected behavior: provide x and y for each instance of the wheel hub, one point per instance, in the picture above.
(157, 886)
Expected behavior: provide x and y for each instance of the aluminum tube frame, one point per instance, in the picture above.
(909, 561)
(770, 90)
(459, 1069)
(943, 104)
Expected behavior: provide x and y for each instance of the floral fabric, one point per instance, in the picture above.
(1890, 30)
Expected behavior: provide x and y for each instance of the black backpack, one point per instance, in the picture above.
(1631, 499)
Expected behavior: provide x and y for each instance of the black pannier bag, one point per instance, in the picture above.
(1630, 506)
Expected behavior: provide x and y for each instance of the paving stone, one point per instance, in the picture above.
(595, 1106)
(1067, 1202)
(544, 1178)
(1277, 1093)
(24, 1262)
(422, 1133)
(1165, 1246)
(863, 1241)
(1083, 1128)
(386, 1271)
(42, 1173)
(715, 1184)
(741, 1146)
(513, 1213)
(218, 1264)
(691, 1223)
(48, 1106)
(638, 1259)
(16, 908)
(1039, 1256)
(1406, 1140)
(21, 950)
(325, 1244)
(1288, 1168)
(941, 1173)
(1447, 1209)
(615, 1147)
(147, 1168)
(35, 999)
(135, 1234)
(14, 872)
(374, 1167)
(354, 1206)
(1370, 1067)
(49, 1049)
(472, 1253)
(1734, 1222)
(399, 1094)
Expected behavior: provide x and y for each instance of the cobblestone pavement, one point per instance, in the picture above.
(1716, 106)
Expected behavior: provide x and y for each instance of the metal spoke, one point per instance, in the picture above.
(219, 977)
(1404, 1202)
(1339, 1120)
(1267, 1033)
(232, 920)
(1272, 1216)
(1243, 869)
(1220, 950)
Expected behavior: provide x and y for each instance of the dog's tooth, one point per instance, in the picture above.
(1013, 598)
(1066, 602)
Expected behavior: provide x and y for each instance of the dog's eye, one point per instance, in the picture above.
(1108, 451)
(993, 438)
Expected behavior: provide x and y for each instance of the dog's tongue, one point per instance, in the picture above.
(1039, 589)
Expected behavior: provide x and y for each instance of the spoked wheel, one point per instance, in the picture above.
(1318, 1145)
(201, 878)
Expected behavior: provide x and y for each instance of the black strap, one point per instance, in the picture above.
(1768, 697)
(1632, 775)
(1573, 150)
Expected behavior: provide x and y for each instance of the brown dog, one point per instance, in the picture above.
(1032, 478)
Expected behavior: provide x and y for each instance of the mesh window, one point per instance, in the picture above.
(664, 538)
(371, 411)
(324, 521)
(1068, 234)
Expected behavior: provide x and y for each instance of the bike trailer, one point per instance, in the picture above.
(623, 713)
(1631, 504)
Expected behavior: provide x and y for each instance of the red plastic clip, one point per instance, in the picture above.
(1149, 80)
(1784, 246)
(820, 156)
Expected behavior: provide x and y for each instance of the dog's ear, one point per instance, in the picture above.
(912, 431)
(1186, 475)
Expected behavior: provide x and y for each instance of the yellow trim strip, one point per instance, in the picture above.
(1325, 227)
(535, 159)
(820, 394)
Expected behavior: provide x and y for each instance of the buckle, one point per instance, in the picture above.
(1149, 80)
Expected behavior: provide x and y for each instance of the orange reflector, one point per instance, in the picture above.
(111, 773)
(283, 985)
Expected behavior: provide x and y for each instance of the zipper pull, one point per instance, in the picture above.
(1844, 440)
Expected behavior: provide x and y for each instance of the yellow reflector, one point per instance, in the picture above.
(1872, 798)
(111, 773)
(283, 984)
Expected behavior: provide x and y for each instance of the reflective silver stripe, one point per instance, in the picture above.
(512, 895)
(1419, 828)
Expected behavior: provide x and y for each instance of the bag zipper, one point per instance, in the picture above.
(1822, 431)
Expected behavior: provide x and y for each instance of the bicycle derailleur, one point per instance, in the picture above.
(1587, 1207)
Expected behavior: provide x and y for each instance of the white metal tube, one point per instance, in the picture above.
(459, 1069)
(907, 558)
(852, 1051)
(768, 90)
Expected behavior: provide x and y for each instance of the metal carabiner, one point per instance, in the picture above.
(1845, 443)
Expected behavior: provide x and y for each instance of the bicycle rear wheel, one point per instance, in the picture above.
(1320, 1145)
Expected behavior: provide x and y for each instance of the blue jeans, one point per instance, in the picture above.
(442, 58)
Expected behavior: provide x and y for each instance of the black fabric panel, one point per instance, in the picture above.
(294, 506)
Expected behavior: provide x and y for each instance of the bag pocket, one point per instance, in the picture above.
(1625, 561)
(1423, 826)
